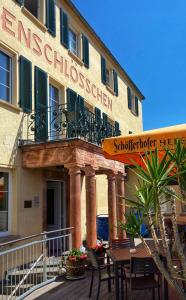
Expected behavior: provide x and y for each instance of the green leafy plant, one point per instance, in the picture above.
(153, 190)
(133, 223)
(76, 254)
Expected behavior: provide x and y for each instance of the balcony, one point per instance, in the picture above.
(64, 122)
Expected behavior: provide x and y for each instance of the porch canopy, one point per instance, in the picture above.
(129, 149)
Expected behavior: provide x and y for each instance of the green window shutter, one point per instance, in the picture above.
(80, 111)
(80, 104)
(72, 113)
(51, 16)
(71, 100)
(136, 106)
(105, 126)
(97, 115)
(115, 76)
(20, 2)
(117, 129)
(41, 105)
(129, 95)
(64, 28)
(85, 51)
(105, 120)
(103, 70)
(25, 84)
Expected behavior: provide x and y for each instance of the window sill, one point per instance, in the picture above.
(133, 113)
(34, 19)
(10, 106)
(110, 89)
(76, 58)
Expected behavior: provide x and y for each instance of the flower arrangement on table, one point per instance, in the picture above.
(98, 248)
(99, 252)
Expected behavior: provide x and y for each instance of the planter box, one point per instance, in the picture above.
(75, 269)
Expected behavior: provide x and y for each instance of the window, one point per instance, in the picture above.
(109, 76)
(133, 102)
(54, 122)
(73, 42)
(5, 77)
(32, 6)
(4, 195)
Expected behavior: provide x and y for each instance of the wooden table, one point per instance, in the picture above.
(121, 257)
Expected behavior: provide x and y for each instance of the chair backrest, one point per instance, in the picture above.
(93, 260)
(143, 266)
(120, 243)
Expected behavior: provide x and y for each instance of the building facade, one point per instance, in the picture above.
(61, 92)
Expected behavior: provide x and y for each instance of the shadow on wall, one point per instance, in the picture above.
(19, 136)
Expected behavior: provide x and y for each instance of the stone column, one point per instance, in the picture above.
(112, 205)
(75, 205)
(90, 181)
(120, 204)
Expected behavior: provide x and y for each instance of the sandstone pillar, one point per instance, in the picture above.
(120, 204)
(112, 206)
(75, 205)
(90, 207)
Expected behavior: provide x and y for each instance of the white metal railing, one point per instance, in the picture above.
(31, 262)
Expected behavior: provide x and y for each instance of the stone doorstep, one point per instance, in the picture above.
(43, 290)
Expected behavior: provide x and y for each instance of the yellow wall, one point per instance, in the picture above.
(29, 183)
(127, 120)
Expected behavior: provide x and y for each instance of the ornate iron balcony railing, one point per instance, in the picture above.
(59, 123)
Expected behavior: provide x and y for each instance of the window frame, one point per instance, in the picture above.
(109, 71)
(133, 108)
(41, 17)
(71, 29)
(11, 88)
(6, 233)
(38, 8)
(61, 97)
(133, 103)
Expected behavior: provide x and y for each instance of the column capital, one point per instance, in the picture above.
(75, 169)
(89, 171)
(121, 176)
(111, 175)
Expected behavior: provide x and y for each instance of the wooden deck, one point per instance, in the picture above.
(79, 290)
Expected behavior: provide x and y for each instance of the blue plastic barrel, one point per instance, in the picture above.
(102, 227)
(144, 229)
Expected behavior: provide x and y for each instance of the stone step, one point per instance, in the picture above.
(8, 289)
(35, 275)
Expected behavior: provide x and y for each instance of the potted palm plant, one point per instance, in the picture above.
(154, 183)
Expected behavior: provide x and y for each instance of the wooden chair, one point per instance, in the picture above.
(143, 276)
(124, 271)
(104, 274)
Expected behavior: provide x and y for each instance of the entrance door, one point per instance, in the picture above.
(56, 214)
(56, 205)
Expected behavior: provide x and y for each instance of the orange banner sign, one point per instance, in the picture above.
(130, 148)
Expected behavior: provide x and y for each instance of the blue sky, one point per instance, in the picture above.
(148, 38)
